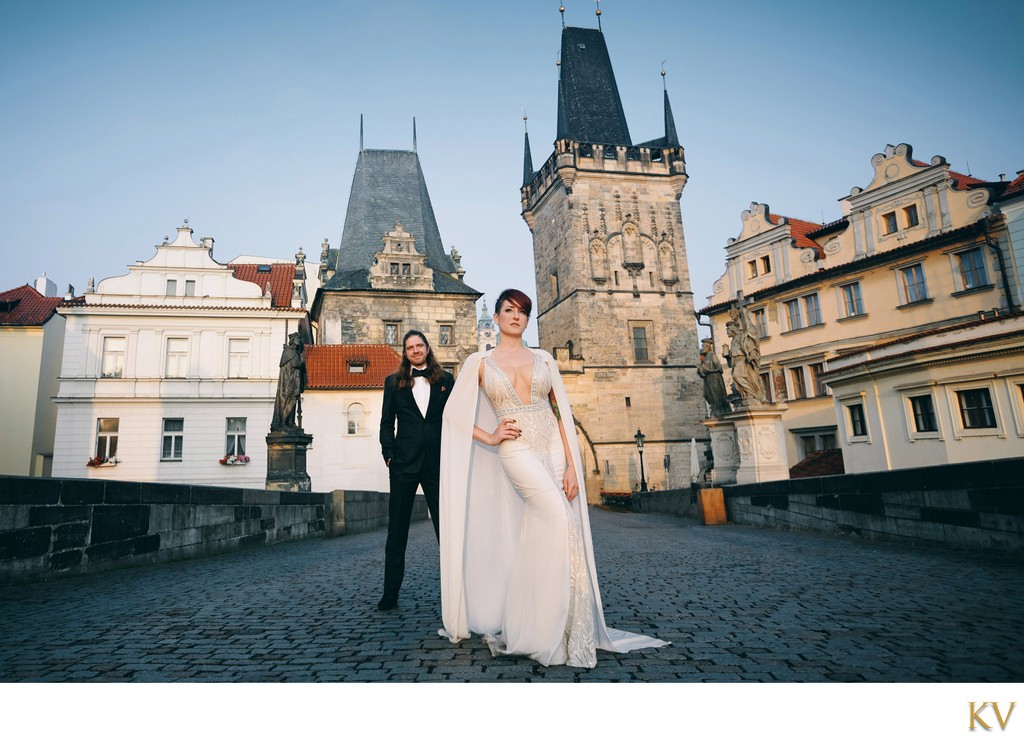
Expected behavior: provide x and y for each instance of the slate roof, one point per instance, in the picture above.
(388, 187)
(327, 366)
(27, 307)
(589, 107)
(279, 278)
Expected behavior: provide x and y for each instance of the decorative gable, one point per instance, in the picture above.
(399, 265)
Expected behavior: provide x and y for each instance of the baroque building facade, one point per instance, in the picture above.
(614, 302)
(920, 251)
(169, 372)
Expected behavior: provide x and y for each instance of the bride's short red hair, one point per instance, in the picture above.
(517, 298)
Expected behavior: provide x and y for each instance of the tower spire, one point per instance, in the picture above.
(671, 138)
(360, 132)
(527, 157)
(561, 9)
(414, 133)
(598, 15)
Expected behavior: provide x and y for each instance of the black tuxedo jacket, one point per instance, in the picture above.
(416, 447)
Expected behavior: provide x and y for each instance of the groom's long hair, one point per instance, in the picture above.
(434, 370)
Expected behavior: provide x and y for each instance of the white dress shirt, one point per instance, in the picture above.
(421, 392)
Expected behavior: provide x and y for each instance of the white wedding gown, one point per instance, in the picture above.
(516, 557)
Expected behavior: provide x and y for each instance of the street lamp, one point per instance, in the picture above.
(640, 449)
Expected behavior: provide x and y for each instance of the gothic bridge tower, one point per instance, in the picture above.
(614, 302)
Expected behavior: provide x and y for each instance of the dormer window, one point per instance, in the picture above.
(356, 368)
(263, 269)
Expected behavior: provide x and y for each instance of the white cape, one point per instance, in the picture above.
(480, 514)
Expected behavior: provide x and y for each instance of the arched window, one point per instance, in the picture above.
(355, 419)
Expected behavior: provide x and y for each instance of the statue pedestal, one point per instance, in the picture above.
(749, 445)
(723, 449)
(286, 460)
(761, 440)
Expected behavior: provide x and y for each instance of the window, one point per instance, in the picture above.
(759, 266)
(752, 269)
(760, 322)
(177, 358)
(235, 437)
(924, 413)
(407, 269)
(173, 435)
(910, 213)
(106, 437)
(855, 416)
(354, 419)
(356, 368)
(172, 287)
(766, 264)
(445, 338)
(190, 288)
(817, 370)
(554, 284)
(971, 265)
(813, 309)
(238, 358)
(793, 318)
(394, 269)
(890, 222)
(113, 357)
(391, 333)
(766, 383)
(796, 375)
(914, 287)
(976, 408)
(852, 302)
(813, 440)
(640, 352)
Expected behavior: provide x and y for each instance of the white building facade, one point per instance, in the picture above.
(169, 373)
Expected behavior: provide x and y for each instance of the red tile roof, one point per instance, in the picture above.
(1017, 186)
(27, 307)
(960, 181)
(327, 365)
(280, 279)
(798, 230)
(819, 464)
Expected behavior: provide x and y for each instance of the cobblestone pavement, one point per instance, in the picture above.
(738, 604)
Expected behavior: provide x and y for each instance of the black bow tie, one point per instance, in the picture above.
(419, 373)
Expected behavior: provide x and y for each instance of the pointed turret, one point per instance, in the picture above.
(589, 107)
(527, 157)
(671, 139)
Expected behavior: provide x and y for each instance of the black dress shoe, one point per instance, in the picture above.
(386, 603)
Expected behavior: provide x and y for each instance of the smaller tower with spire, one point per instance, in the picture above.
(485, 335)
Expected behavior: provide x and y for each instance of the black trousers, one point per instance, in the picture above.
(403, 495)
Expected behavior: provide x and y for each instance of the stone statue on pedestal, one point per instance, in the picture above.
(745, 358)
(291, 382)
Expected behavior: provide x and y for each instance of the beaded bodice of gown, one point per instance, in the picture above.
(535, 419)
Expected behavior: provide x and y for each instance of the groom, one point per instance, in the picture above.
(414, 396)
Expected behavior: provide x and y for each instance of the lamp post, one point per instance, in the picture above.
(640, 449)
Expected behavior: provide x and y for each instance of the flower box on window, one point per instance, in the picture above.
(230, 460)
(100, 461)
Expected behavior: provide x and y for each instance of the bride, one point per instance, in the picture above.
(517, 560)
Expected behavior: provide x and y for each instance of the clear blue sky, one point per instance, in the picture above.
(120, 118)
